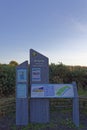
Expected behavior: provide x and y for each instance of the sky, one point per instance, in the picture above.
(55, 28)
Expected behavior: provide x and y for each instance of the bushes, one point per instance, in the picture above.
(66, 74)
(7, 80)
(58, 73)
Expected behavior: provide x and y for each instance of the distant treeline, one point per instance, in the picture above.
(58, 73)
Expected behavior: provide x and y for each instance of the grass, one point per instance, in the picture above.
(82, 92)
(9, 106)
(67, 123)
(4, 105)
(37, 126)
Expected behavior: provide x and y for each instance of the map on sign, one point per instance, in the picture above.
(52, 90)
(61, 91)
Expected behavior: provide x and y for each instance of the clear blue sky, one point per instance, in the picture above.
(55, 28)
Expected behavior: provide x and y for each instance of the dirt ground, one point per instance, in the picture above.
(59, 120)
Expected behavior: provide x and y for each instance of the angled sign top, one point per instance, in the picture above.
(39, 68)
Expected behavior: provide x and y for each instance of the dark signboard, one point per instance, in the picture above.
(39, 68)
(39, 74)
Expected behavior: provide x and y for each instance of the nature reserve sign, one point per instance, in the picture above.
(40, 92)
(52, 91)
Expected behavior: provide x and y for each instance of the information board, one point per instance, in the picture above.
(36, 74)
(22, 94)
(39, 74)
(52, 91)
(21, 91)
(39, 68)
(21, 75)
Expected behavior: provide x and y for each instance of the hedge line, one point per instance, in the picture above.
(7, 80)
(57, 74)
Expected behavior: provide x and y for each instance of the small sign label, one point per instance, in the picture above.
(21, 75)
(36, 74)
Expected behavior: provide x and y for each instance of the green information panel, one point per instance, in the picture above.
(52, 91)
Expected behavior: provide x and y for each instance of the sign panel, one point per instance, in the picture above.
(36, 74)
(52, 90)
(21, 91)
(21, 75)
